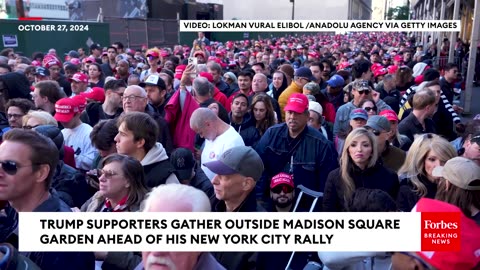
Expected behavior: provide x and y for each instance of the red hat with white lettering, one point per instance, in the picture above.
(282, 179)
(65, 109)
(469, 255)
(79, 77)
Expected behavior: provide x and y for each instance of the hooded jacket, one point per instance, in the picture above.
(246, 129)
(17, 85)
(275, 93)
(158, 169)
(178, 111)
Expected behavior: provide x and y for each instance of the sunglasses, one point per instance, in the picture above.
(278, 189)
(361, 92)
(11, 167)
(370, 109)
(375, 132)
(151, 57)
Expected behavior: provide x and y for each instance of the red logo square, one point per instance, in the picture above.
(441, 231)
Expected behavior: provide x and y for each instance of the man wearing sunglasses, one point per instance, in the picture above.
(360, 90)
(282, 192)
(392, 157)
(27, 166)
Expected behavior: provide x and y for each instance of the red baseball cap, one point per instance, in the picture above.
(65, 109)
(376, 67)
(469, 255)
(389, 114)
(297, 103)
(81, 102)
(282, 179)
(89, 59)
(392, 69)
(398, 58)
(199, 52)
(179, 71)
(96, 94)
(51, 61)
(75, 61)
(153, 53)
(206, 75)
(79, 77)
(380, 72)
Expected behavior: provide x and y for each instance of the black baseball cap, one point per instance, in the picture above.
(183, 162)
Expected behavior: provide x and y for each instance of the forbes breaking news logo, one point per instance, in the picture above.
(441, 231)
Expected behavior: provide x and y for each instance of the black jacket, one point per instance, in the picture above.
(376, 177)
(60, 260)
(65, 84)
(157, 173)
(94, 113)
(11, 260)
(407, 197)
(201, 181)
(238, 260)
(164, 135)
(246, 129)
(70, 185)
(17, 86)
(313, 158)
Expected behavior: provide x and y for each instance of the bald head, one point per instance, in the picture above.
(200, 116)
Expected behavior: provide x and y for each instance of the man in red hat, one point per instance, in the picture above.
(282, 192)
(79, 83)
(76, 134)
(54, 66)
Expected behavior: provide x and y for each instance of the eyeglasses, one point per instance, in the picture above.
(370, 109)
(151, 57)
(361, 92)
(107, 174)
(131, 98)
(11, 167)
(13, 115)
(285, 188)
(30, 127)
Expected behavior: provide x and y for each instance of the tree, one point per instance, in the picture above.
(398, 13)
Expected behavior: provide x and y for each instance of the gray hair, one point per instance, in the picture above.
(202, 115)
(388, 77)
(313, 87)
(215, 66)
(231, 76)
(142, 91)
(172, 193)
(202, 87)
(202, 68)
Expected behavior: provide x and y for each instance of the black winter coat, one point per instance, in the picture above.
(407, 197)
(376, 177)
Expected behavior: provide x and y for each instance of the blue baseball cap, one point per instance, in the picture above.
(359, 113)
(305, 72)
(336, 81)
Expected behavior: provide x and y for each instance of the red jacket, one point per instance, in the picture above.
(178, 118)
(69, 156)
(220, 97)
(329, 112)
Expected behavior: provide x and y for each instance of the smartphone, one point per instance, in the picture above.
(192, 61)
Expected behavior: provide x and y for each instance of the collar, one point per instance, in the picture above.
(121, 206)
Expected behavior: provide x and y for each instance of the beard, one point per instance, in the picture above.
(282, 204)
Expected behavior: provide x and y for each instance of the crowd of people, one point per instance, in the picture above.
(364, 118)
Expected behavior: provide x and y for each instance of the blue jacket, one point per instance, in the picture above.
(313, 159)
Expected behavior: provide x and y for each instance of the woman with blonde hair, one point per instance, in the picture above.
(262, 111)
(360, 167)
(154, 61)
(416, 179)
(37, 118)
